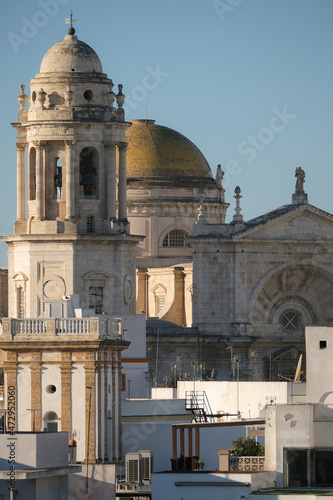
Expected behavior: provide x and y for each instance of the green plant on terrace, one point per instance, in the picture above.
(247, 447)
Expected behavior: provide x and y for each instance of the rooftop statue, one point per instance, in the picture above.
(219, 176)
(300, 176)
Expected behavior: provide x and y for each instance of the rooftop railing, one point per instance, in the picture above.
(96, 327)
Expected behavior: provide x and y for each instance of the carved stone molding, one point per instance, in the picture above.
(39, 144)
(110, 145)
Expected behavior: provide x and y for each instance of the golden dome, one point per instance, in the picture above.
(158, 154)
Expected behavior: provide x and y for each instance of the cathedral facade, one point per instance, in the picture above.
(223, 300)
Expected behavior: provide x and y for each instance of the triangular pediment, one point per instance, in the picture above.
(301, 223)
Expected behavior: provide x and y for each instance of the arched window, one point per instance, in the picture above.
(176, 238)
(51, 419)
(159, 298)
(88, 173)
(32, 174)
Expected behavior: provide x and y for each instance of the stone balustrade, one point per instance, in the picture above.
(90, 327)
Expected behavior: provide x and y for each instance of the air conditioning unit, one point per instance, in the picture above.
(139, 467)
(147, 466)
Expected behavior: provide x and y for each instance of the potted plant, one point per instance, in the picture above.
(200, 465)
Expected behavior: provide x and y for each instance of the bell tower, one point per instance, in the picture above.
(71, 260)
(73, 239)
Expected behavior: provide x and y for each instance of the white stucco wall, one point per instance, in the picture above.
(137, 379)
(319, 366)
(78, 409)
(51, 401)
(135, 332)
(101, 483)
(287, 426)
(33, 450)
(147, 424)
(253, 396)
(176, 486)
(24, 398)
(135, 365)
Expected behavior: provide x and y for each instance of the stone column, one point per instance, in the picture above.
(106, 368)
(39, 145)
(113, 384)
(122, 201)
(66, 403)
(20, 194)
(36, 371)
(111, 180)
(70, 188)
(89, 368)
(120, 449)
(179, 295)
(142, 300)
(99, 408)
(10, 368)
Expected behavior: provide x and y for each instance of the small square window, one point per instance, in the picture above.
(322, 344)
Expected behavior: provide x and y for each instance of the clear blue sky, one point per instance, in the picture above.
(248, 81)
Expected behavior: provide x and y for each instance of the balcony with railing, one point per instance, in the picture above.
(36, 328)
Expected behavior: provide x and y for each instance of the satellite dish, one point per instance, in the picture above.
(298, 369)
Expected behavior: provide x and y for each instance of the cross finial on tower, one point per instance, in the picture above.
(70, 20)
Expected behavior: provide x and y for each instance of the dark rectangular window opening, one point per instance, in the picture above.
(322, 344)
(90, 224)
(308, 468)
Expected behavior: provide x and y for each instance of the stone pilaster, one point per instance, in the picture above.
(106, 368)
(119, 406)
(89, 368)
(20, 182)
(70, 199)
(39, 145)
(65, 370)
(10, 369)
(99, 407)
(113, 395)
(142, 300)
(36, 370)
(122, 186)
(111, 180)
